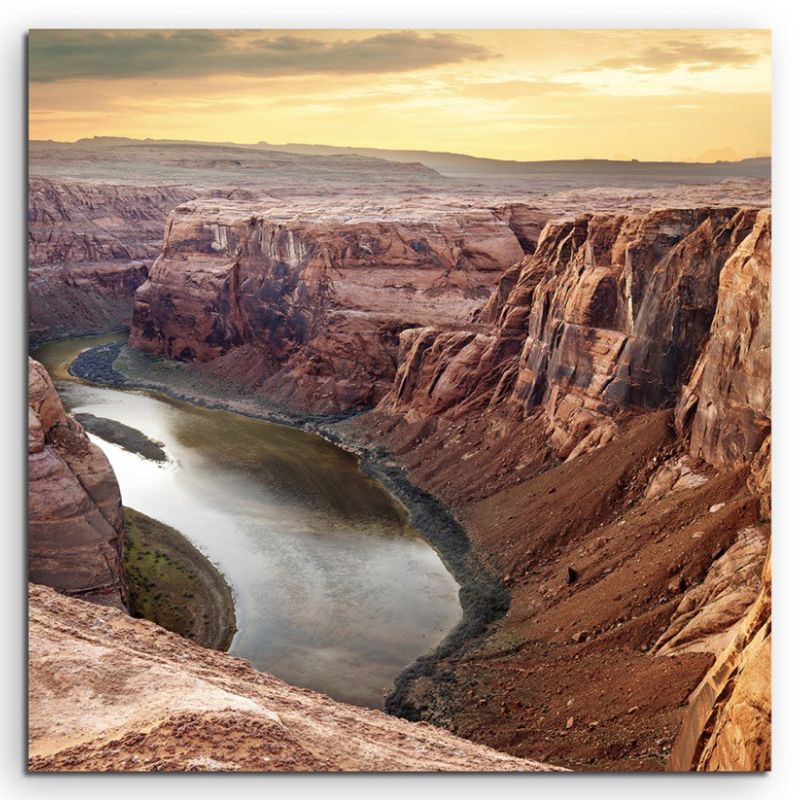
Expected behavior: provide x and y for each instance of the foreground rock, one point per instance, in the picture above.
(75, 523)
(110, 693)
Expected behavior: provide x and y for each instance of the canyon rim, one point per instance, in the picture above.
(399, 401)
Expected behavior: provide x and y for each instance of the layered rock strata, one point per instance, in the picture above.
(727, 726)
(110, 693)
(725, 407)
(89, 246)
(81, 299)
(612, 312)
(637, 541)
(309, 308)
(78, 222)
(75, 523)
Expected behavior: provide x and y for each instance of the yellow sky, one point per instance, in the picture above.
(521, 94)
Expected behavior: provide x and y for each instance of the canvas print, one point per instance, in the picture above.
(399, 400)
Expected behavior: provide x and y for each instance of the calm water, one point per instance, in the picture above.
(333, 589)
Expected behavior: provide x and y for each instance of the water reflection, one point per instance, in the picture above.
(334, 590)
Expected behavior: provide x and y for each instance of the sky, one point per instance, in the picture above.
(677, 95)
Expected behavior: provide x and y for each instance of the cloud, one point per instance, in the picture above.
(670, 55)
(70, 55)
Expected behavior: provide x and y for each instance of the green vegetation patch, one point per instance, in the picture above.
(171, 583)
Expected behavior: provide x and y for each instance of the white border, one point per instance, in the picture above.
(780, 16)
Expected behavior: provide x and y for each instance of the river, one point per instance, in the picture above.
(334, 590)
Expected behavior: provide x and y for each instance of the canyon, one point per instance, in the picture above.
(581, 376)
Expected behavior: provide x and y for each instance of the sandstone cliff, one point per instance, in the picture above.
(726, 404)
(110, 693)
(308, 305)
(728, 723)
(726, 411)
(610, 311)
(75, 524)
(89, 246)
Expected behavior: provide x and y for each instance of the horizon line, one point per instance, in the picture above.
(264, 143)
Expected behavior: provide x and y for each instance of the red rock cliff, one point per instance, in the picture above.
(75, 523)
(726, 411)
(609, 313)
(89, 246)
(313, 303)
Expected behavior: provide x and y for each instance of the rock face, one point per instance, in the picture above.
(612, 312)
(110, 693)
(89, 246)
(75, 524)
(725, 411)
(81, 299)
(726, 404)
(314, 303)
(708, 615)
(442, 370)
(728, 723)
(86, 223)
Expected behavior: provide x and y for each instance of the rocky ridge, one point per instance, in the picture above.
(609, 313)
(304, 304)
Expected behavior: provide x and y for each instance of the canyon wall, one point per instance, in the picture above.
(610, 311)
(89, 247)
(725, 410)
(308, 305)
(81, 299)
(90, 223)
(612, 523)
(75, 523)
(112, 693)
(725, 406)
